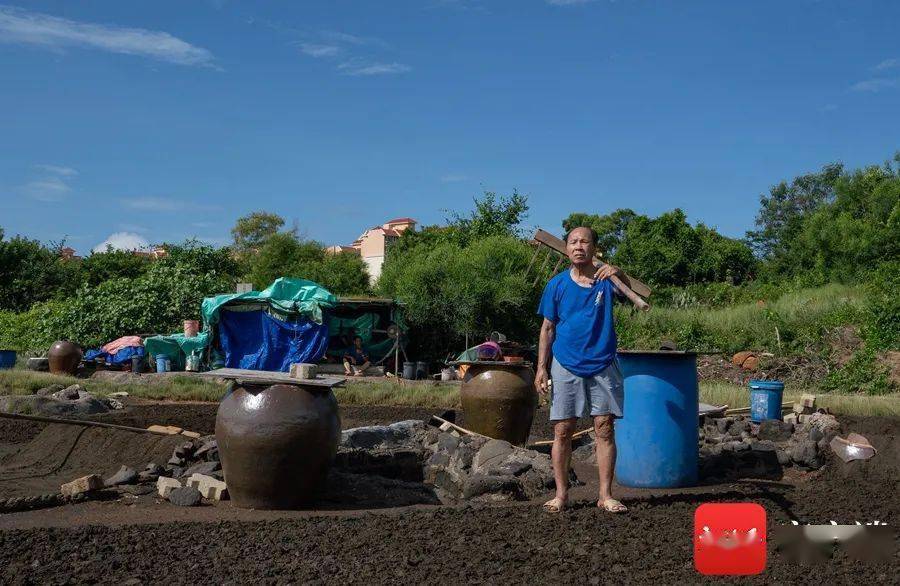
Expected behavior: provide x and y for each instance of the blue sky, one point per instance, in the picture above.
(163, 120)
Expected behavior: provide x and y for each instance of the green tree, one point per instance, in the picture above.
(783, 210)
(251, 232)
(99, 267)
(610, 228)
(284, 255)
(29, 273)
(492, 216)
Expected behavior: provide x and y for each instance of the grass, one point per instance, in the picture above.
(432, 396)
(793, 321)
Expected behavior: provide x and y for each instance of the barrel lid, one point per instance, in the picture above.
(769, 385)
(669, 353)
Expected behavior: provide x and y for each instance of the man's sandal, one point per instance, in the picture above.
(554, 505)
(612, 506)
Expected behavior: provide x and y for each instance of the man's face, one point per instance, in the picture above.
(357, 342)
(580, 246)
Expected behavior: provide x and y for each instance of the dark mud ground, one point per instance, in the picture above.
(145, 541)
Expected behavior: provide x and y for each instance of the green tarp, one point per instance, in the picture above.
(289, 297)
(362, 326)
(176, 347)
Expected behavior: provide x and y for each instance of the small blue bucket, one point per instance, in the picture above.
(162, 362)
(7, 359)
(765, 399)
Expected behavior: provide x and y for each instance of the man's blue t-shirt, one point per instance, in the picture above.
(585, 341)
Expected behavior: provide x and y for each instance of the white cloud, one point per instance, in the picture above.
(888, 64)
(48, 189)
(317, 50)
(57, 170)
(453, 178)
(874, 85)
(32, 28)
(356, 67)
(123, 241)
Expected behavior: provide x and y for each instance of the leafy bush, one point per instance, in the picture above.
(30, 273)
(284, 255)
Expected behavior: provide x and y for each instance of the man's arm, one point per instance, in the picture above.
(548, 333)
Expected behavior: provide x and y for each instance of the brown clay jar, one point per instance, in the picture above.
(276, 443)
(499, 400)
(64, 357)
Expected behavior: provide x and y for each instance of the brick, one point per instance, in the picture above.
(303, 370)
(81, 485)
(808, 401)
(804, 418)
(191, 434)
(166, 485)
(211, 488)
(167, 429)
(791, 418)
(799, 409)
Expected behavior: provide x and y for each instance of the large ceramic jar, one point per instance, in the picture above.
(276, 443)
(64, 357)
(498, 400)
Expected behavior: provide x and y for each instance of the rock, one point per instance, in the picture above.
(824, 422)
(205, 468)
(125, 475)
(49, 406)
(511, 468)
(114, 404)
(784, 458)
(186, 496)
(38, 364)
(493, 452)
(815, 434)
(806, 453)
(47, 391)
(82, 485)
(207, 446)
(71, 393)
(724, 423)
(738, 427)
(507, 487)
(762, 446)
(136, 489)
(775, 430)
(447, 443)
(175, 461)
(381, 435)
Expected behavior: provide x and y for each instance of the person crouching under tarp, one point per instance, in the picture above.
(356, 361)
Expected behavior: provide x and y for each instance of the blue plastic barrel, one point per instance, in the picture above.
(656, 440)
(162, 362)
(7, 359)
(765, 399)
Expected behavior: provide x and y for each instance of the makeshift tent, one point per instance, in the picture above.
(259, 330)
(369, 318)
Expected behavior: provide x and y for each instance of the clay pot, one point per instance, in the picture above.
(276, 443)
(64, 358)
(499, 400)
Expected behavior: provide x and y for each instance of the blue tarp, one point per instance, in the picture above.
(123, 356)
(255, 340)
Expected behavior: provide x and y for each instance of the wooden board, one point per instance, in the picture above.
(557, 244)
(265, 377)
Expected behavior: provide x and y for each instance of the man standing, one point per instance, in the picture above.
(578, 328)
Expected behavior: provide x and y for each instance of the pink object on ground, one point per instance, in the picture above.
(191, 327)
(123, 342)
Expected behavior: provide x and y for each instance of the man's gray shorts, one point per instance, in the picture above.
(576, 396)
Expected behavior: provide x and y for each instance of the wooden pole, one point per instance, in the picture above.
(79, 422)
